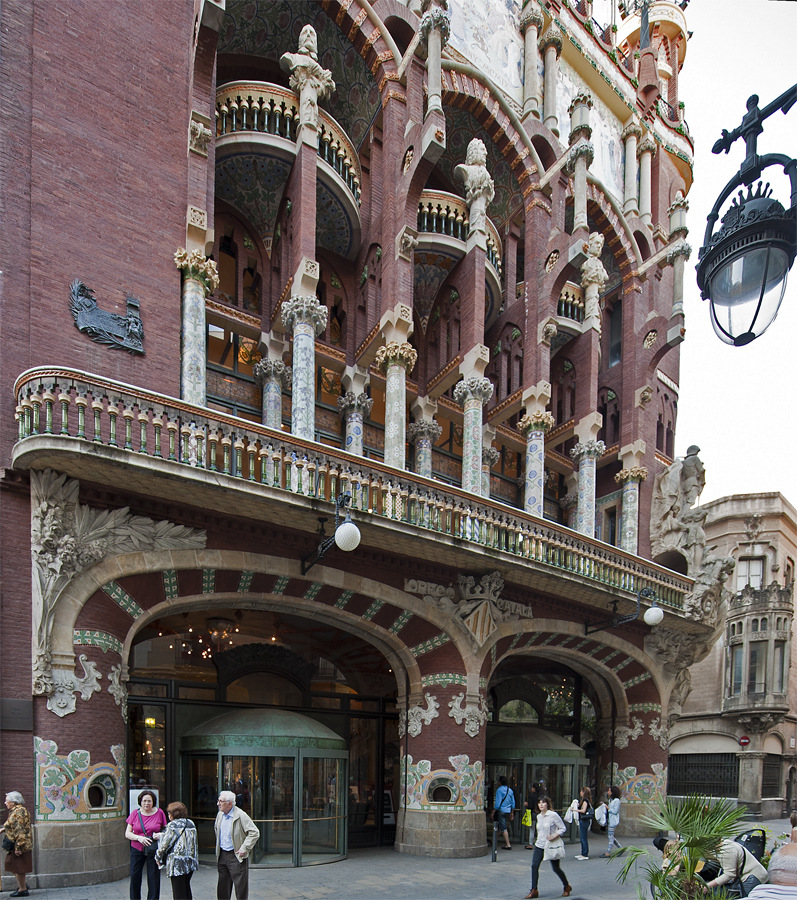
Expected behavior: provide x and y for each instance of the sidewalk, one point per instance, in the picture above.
(374, 873)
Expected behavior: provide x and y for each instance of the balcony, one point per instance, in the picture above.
(443, 227)
(109, 433)
(256, 129)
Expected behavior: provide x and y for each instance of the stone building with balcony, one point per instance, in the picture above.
(737, 733)
(272, 264)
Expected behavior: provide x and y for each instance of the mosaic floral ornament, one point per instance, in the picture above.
(62, 783)
(465, 781)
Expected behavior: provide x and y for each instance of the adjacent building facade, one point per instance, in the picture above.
(269, 265)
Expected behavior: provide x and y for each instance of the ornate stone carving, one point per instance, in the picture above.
(304, 309)
(623, 733)
(659, 732)
(635, 473)
(540, 420)
(552, 37)
(473, 715)
(400, 352)
(583, 449)
(417, 716)
(310, 81)
(117, 689)
(424, 430)
(490, 456)
(592, 270)
(435, 15)
(196, 265)
(473, 388)
(406, 242)
(531, 15)
(479, 186)
(351, 402)
(266, 370)
(61, 698)
(119, 332)
(199, 135)
(582, 148)
(549, 332)
(760, 723)
(675, 652)
(568, 501)
(66, 538)
(680, 249)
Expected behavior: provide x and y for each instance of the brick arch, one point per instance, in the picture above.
(402, 626)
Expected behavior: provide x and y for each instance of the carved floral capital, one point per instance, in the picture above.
(540, 421)
(475, 388)
(396, 352)
(305, 309)
(196, 265)
(635, 473)
(588, 449)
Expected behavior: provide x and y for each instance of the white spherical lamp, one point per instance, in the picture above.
(347, 536)
(654, 615)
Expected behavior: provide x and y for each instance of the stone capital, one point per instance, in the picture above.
(196, 265)
(351, 402)
(536, 422)
(680, 249)
(480, 389)
(632, 129)
(583, 149)
(490, 456)
(635, 473)
(425, 430)
(531, 16)
(552, 37)
(436, 15)
(305, 309)
(646, 145)
(267, 370)
(396, 352)
(588, 450)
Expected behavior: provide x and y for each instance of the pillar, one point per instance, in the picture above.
(304, 317)
(200, 278)
(569, 505)
(395, 360)
(490, 457)
(631, 135)
(586, 453)
(581, 155)
(679, 253)
(630, 479)
(354, 408)
(530, 23)
(550, 46)
(272, 375)
(647, 147)
(472, 393)
(424, 434)
(434, 29)
(534, 427)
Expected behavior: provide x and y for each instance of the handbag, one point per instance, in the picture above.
(554, 850)
(8, 844)
(152, 848)
(589, 814)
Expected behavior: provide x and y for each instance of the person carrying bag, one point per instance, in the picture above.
(549, 845)
(504, 809)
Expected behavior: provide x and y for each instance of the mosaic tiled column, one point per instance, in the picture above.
(531, 21)
(534, 427)
(435, 29)
(472, 393)
(569, 506)
(424, 434)
(272, 375)
(200, 278)
(395, 360)
(551, 47)
(490, 457)
(354, 408)
(304, 317)
(631, 135)
(585, 454)
(629, 529)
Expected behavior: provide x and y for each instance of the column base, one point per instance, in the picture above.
(444, 835)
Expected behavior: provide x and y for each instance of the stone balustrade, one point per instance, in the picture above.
(128, 423)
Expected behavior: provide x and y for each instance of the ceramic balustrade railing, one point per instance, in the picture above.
(68, 404)
(271, 109)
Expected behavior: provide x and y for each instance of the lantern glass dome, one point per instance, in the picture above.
(347, 536)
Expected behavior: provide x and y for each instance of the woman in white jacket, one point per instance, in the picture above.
(550, 828)
(613, 817)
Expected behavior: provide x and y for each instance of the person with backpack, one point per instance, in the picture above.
(504, 809)
(586, 813)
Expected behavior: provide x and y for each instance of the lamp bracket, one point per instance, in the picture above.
(341, 502)
(616, 621)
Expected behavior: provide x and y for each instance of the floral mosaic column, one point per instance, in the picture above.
(354, 408)
(395, 360)
(490, 457)
(472, 393)
(534, 427)
(305, 317)
(200, 278)
(629, 529)
(585, 454)
(272, 375)
(569, 505)
(423, 434)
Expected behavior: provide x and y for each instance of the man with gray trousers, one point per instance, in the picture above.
(236, 835)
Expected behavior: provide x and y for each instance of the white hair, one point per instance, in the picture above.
(227, 795)
(15, 797)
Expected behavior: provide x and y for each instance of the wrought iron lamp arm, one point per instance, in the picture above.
(616, 621)
(341, 502)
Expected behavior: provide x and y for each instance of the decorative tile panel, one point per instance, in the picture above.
(85, 637)
(122, 599)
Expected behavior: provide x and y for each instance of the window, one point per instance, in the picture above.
(616, 332)
(779, 668)
(750, 572)
(757, 670)
(770, 776)
(714, 774)
(737, 661)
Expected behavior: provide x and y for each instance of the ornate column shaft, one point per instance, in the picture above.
(200, 278)
(647, 148)
(472, 393)
(395, 359)
(304, 317)
(534, 427)
(354, 408)
(423, 434)
(272, 375)
(629, 529)
(435, 28)
(490, 457)
(551, 47)
(585, 454)
(530, 23)
(569, 505)
(680, 253)
(631, 135)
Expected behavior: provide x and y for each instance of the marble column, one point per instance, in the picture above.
(551, 48)
(272, 375)
(647, 147)
(424, 434)
(304, 318)
(354, 408)
(434, 29)
(472, 393)
(631, 135)
(534, 426)
(680, 253)
(395, 360)
(586, 454)
(200, 278)
(531, 21)
(629, 528)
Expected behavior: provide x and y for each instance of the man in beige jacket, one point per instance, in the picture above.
(236, 835)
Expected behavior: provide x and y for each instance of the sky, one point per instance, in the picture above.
(738, 404)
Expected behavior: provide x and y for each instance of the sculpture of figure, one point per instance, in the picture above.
(308, 78)
(693, 476)
(593, 276)
(479, 187)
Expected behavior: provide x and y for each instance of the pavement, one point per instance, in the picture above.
(381, 872)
